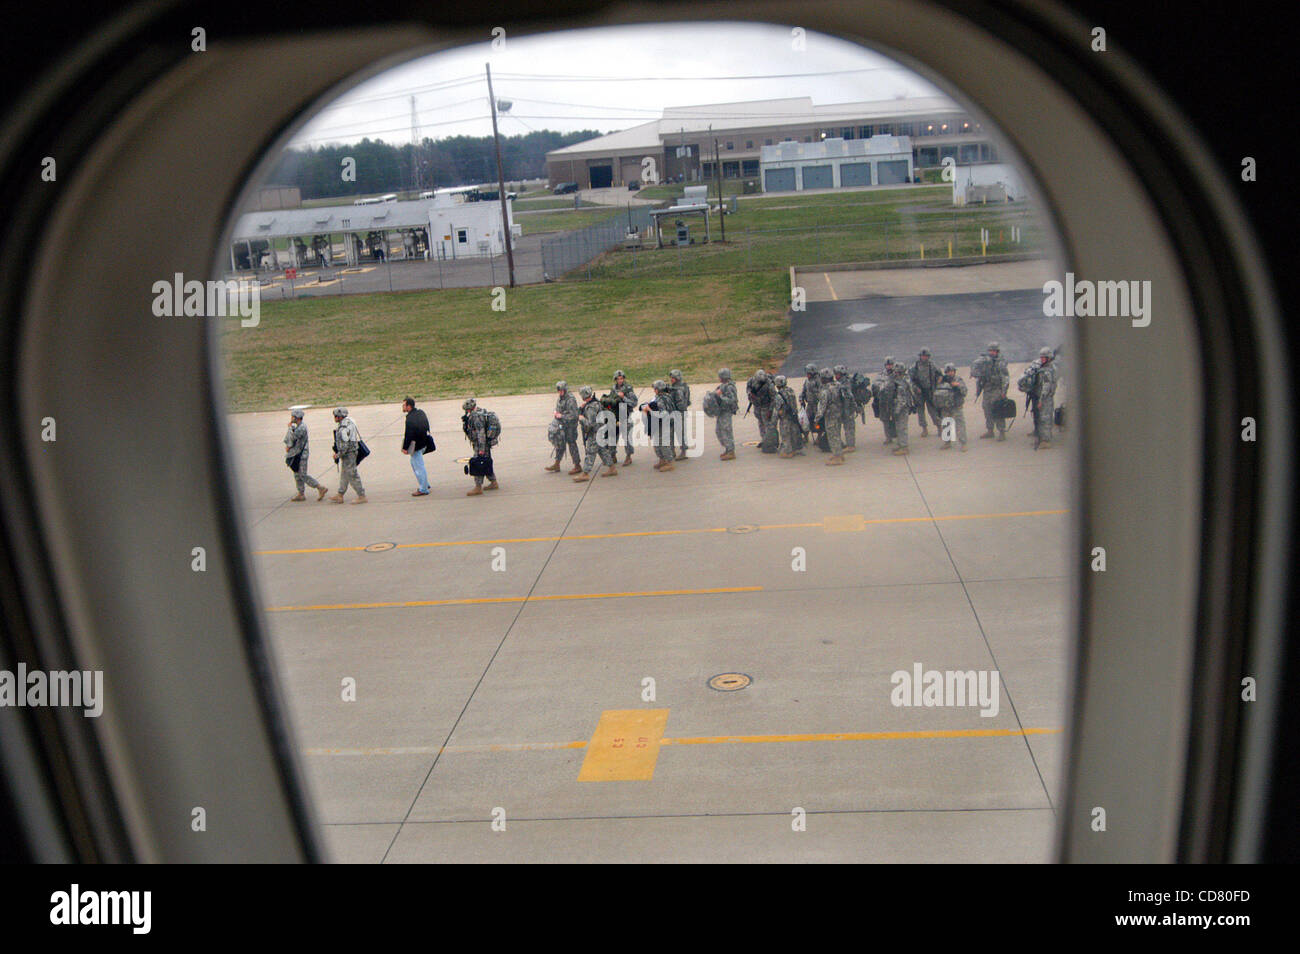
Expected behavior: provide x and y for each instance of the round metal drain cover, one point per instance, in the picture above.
(751, 443)
(379, 547)
(743, 528)
(729, 681)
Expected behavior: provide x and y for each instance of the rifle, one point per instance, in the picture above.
(747, 407)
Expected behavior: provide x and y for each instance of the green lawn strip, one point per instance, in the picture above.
(356, 349)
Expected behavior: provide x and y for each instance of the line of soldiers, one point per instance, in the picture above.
(348, 449)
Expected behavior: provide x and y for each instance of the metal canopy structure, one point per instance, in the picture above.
(694, 209)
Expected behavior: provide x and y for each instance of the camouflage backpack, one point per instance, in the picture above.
(981, 367)
(712, 404)
(860, 385)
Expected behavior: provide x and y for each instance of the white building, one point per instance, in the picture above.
(436, 227)
(836, 163)
(987, 182)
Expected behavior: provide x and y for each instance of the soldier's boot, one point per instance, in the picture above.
(611, 471)
(835, 461)
(659, 464)
(963, 448)
(576, 470)
(493, 485)
(787, 456)
(988, 433)
(554, 468)
(900, 451)
(322, 491)
(1002, 435)
(924, 432)
(668, 465)
(681, 455)
(337, 498)
(474, 493)
(582, 478)
(627, 459)
(299, 497)
(947, 445)
(360, 499)
(1044, 443)
(729, 455)
(887, 441)
(850, 448)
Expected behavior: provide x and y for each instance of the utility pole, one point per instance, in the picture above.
(501, 182)
(415, 162)
(717, 172)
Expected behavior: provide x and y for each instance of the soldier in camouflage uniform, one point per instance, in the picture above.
(785, 415)
(902, 399)
(849, 423)
(347, 440)
(761, 392)
(992, 380)
(880, 393)
(596, 431)
(566, 412)
(830, 409)
(926, 377)
(810, 395)
(482, 430)
(730, 402)
(628, 393)
(1046, 377)
(660, 433)
(296, 453)
(949, 396)
(681, 401)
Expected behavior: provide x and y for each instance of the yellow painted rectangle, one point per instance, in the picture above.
(846, 523)
(625, 746)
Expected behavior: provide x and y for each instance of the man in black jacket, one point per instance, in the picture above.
(415, 442)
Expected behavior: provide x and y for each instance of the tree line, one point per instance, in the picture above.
(381, 167)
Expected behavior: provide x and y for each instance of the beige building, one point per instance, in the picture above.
(682, 142)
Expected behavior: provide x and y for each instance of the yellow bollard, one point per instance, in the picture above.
(922, 251)
(950, 248)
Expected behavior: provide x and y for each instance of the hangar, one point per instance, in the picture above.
(836, 163)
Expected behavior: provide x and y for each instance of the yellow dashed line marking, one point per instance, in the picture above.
(696, 740)
(625, 746)
(469, 601)
(842, 523)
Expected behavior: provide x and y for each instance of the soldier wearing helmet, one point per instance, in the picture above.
(296, 454)
(992, 380)
(1046, 375)
(899, 395)
(830, 413)
(729, 404)
(949, 396)
(566, 412)
(849, 424)
(810, 394)
(598, 436)
(483, 430)
(681, 401)
(785, 416)
(347, 442)
(760, 391)
(658, 413)
(926, 377)
(885, 413)
(628, 394)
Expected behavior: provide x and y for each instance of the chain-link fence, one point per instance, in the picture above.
(574, 251)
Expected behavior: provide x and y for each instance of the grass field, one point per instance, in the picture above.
(438, 344)
(553, 202)
(775, 232)
(565, 221)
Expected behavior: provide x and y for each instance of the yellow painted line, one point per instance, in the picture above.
(625, 746)
(856, 518)
(695, 740)
(468, 601)
(834, 296)
(857, 736)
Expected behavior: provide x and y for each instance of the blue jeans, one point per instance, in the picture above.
(417, 465)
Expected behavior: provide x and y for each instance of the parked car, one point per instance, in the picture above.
(566, 187)
(633, 185)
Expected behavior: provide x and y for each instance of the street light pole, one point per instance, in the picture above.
(501, 182)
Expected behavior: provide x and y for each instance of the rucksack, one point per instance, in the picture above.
(981, 367)
(860, 385)
(493, 428)
(712, 404)
(1029, 381)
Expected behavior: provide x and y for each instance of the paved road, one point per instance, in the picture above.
(954, 327)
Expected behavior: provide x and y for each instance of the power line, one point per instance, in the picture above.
(549, 78)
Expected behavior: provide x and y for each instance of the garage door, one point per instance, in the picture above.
(602, 177)
(818, 177)
(778, 180)
(855, 174)
(630, 171)
(895, 171)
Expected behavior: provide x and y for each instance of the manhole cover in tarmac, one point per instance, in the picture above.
(742, 528)
(751, 443)
(729, 681)
(379, 547)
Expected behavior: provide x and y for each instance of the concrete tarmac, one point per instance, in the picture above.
(531, 666)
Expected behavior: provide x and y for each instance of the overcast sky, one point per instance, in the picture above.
(614, 77)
